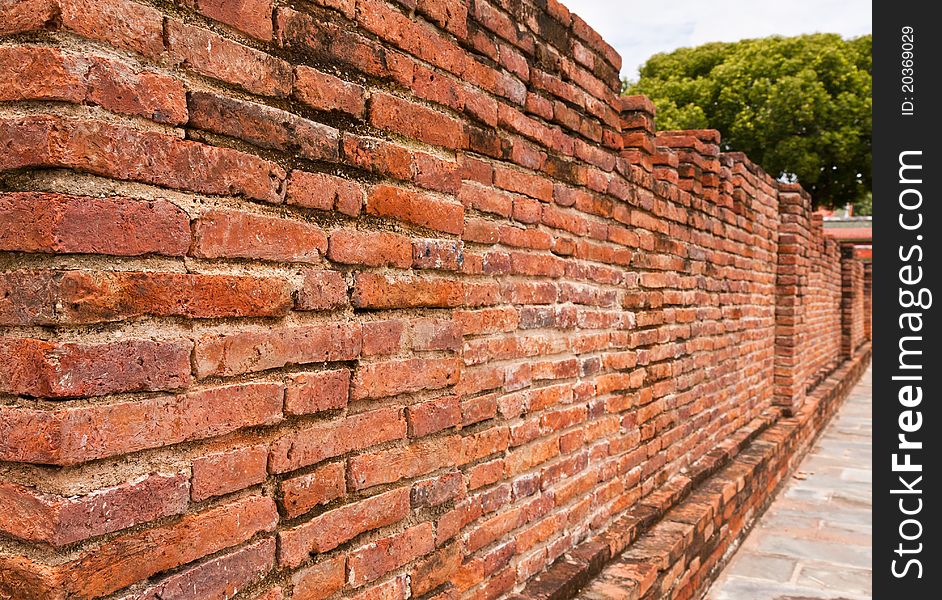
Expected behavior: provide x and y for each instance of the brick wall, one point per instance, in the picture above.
(852, 303)
(365, 299)
(868, 299)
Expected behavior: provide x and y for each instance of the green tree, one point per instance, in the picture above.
(798, 106)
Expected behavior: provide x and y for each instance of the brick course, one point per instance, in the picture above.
(373, 299)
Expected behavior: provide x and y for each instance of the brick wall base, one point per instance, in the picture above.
(675, 543)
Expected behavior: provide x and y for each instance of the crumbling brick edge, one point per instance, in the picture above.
(685, 533)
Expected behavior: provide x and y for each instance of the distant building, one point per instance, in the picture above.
(846, 228)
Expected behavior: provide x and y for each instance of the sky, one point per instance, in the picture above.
(639, 29)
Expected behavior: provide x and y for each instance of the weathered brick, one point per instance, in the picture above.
(320, 580)
(64, 369)
(92, 297)
(121, 23)
(322, 91)
(416, 209)
(254, 17)
(436, 569)
(370, 248)
(441, 255)
(136, 556)
(215, 56)
(322, 290)
(263, 126)
(302, 493)
(220, 577)
(34, 516)
(49, 74)
(250, 351)
(310, 445)
(334, 527)
(224, 472)
(309, 393)
(150, 157)
(235, 234)
(77, 434)
(433, 415)
(61, 223)
(416, 121)
(381, 379)
(372, 290)
(324, 192)
(387, 466)
(377, 558)
(438, 490)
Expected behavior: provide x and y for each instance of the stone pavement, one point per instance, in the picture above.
(814, 540)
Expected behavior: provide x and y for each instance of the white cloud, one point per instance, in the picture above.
(638, 30)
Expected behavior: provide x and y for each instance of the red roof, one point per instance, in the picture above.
(855, 234)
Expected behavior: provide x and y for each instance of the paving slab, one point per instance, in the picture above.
(814, 542)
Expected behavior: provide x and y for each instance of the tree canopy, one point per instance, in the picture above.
(798, 106)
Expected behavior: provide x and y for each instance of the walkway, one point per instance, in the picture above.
(814, 541)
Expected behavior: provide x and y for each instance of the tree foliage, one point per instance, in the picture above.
(798, 106)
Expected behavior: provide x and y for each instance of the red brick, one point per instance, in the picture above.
(521, 182)
(42, 74)
(137, 556)
(377, 558)
(121, 88)
(440, 255)
(381, 379)
(435, 334)
(23, 578)
(334, 527)
(434, 415)
(214, 56)
(433, 173)
(324, 192)
(486, 199)
(377, 156)
(254, 17)
(120, 23)
(372, 290)
(414, 208)
(224, 472)
(311, 445)
(438, 490)
(60, 370)
(250, 351)
(382, 337)
(322, 290)
(307, 34)
(28, 15)
(412, 36)
(370, 248)
(77, 434)
(34, 516)
(320, 580)
(416, 121)
(302, 493)
(388, 466)
(275, 593)
(263, 126)
(147, 156)
(322, 91)
(233, 234)
(436, 569)
(309, 393)
(219, 578)
(60, 223)
(391, 589)
(92, 297)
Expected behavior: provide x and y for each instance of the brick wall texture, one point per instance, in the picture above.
(367, 298)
